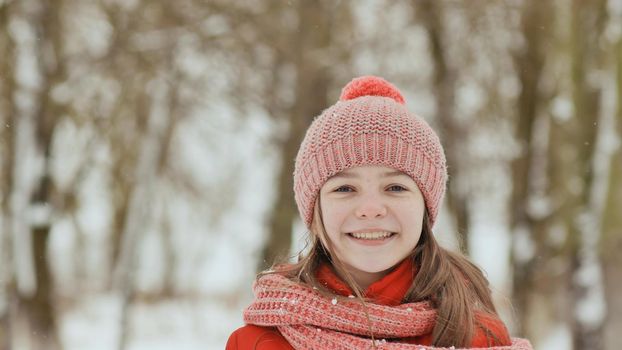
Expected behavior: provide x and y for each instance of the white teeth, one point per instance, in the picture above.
(371, 235)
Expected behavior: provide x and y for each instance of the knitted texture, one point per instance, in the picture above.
(309, 320)
(370, 125)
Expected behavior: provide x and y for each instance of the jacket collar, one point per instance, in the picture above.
(389, 290)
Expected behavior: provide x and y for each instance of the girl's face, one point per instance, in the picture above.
(373, 216)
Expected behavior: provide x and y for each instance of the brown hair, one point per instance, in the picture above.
(454, 285)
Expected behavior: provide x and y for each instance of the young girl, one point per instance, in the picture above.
(369, 179)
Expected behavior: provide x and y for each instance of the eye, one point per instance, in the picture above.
(397, 188)
(343, 189)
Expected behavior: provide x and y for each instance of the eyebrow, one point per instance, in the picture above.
(347, 175)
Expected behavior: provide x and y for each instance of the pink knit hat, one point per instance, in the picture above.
(369, 125)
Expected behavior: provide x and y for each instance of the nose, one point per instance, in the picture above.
(371, 207)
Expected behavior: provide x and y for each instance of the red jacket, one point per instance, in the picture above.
(389, 290)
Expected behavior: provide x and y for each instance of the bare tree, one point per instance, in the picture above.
(453, 133)
(7, 118)
(611, 235)
(554, 199)
(31, 193)
(529, 66)
(584, 213)
(311, 59)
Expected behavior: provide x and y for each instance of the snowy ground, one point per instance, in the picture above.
(184, 325)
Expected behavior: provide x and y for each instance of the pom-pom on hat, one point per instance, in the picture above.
(371, 86)
(369, 125)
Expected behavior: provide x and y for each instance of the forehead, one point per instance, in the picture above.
(368, 171)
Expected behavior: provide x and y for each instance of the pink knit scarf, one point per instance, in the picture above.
(309, 320)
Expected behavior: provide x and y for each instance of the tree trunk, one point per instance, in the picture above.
(38, 307)
(312, 82)
(7, 140)
(611, 239)
(584, 219)
(154, 111)
(41, 315)
(529, 65)
(453, 135)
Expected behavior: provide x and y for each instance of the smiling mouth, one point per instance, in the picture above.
(372, 236)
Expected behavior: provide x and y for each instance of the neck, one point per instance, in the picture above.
(363, 278)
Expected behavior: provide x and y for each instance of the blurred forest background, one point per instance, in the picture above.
(147, 151)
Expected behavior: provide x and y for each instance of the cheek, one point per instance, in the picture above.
(414, 217)
(411, 218)
(334, 216)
